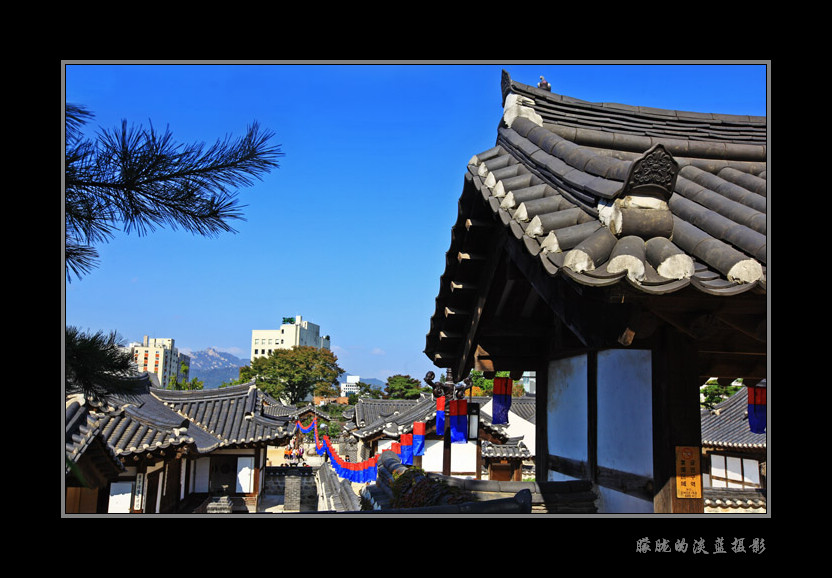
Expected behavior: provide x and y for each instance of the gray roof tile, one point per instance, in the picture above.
(583, 151)
(205, 420)
(564, 154)
(393, 417)
(726, 425)
(83, 429)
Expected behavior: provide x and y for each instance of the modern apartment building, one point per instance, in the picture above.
(350, 386)
(293, 332)
(160, 356)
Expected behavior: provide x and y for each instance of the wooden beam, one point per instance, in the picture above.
(597, 323)
(494, 254)
(732, 365)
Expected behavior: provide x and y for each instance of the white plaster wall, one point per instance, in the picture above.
(625, 411)
(619, 503)
(463, 457)
(517, 426)
(566, 408)
(432, 460)
(385, 444)
(202, 472)
(625, 424)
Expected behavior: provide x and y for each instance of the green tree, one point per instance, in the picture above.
(367, 390)
(136, 179)
(486, 386)
(714, 392)
(293, 374)
(182, 384)
(404, 387)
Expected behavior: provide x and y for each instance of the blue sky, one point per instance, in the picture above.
(351, 230)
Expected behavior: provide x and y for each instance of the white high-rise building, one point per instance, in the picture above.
(350, 386)
(160, 356)
(294, 332)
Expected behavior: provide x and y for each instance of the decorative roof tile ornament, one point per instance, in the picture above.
(607, 193)
(654, 173)
(640, 215)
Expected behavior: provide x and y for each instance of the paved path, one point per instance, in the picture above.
(270, 504)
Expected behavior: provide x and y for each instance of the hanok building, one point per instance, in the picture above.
(375, 424)
(734, 458)
(165, 451)
(620, 253)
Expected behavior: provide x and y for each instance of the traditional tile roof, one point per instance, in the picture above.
(202, 421)
(514, 448)
(302, 412)
(83, 432)
(692, 184)
(726, 425)
(393, 417)
(734, 500)
(390, 417)
(525, 407)
(237, 415)
(602, 194)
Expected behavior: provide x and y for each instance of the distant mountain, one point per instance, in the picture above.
(376, 383)
(372, 381)
(213, 368)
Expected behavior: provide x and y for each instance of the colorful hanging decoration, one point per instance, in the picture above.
(361, 472)
(319, 447)
(307, 429)
(440, 415)
(406, 445)
(459, 421)
(418, 438)
(757, 418)
(501, 401)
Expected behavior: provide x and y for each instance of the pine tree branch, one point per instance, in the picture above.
(139, 179)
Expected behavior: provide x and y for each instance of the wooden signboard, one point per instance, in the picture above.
(139, 492)
(688, 478)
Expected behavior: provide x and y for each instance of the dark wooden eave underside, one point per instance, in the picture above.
(499, 308)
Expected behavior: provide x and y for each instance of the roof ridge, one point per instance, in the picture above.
(512, 86)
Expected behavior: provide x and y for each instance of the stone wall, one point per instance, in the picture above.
(296, 484)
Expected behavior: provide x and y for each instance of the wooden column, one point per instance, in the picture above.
(541, 459)
(676, 423)
(592, 416)
(446, 440)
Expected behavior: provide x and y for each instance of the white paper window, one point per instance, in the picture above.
(120, 496)
(245, 474)
(751, 472)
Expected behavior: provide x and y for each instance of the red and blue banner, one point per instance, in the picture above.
(360, 472)
(459, 421)
(440, 415)
(307, 429)
(406, 446)
(418, 438)
(320, 449)
(501, 400)
(757, 418)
